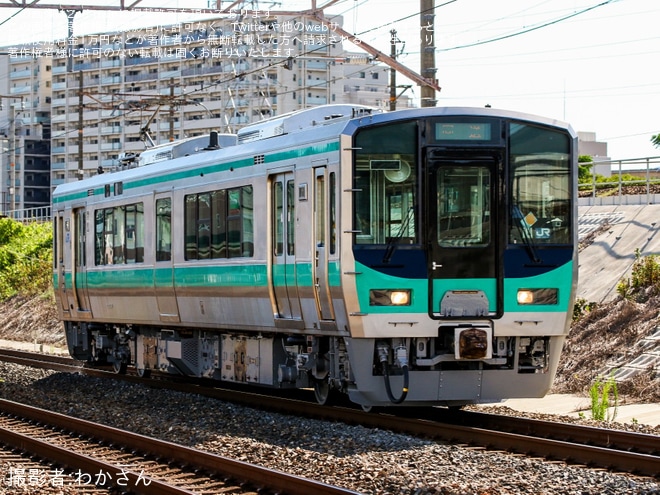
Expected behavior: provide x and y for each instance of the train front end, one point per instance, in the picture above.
(459, 254)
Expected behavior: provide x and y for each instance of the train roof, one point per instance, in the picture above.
(320, 122)
(413, 113)
(300, 120)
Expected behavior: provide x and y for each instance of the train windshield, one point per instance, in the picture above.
(385, 184)
(540, 186)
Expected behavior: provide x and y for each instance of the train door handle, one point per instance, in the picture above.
(435, 265)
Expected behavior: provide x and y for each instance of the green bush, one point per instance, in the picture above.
(645, 275)
(26, 256)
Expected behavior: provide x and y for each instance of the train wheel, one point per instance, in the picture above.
(119, 367)
(143, 372)
(322, 392)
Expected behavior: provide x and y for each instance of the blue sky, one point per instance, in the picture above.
(590, 63)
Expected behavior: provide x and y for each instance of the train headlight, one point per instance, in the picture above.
(537, 296)
(389, 297)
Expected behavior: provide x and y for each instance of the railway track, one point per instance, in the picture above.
(101, 456)
(24, 473)
(617, 450)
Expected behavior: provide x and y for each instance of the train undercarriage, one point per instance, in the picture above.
(400, 366)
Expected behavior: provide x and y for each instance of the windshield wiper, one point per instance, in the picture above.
(525, 235)
(394, 241)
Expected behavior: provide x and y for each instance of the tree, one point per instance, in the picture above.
(655, 140)
(585, 163)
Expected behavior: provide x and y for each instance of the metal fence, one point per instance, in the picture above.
(642, 188)
(27, 215)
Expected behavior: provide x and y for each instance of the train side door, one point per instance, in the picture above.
(164, 283)
(464, 271)
(62, 233)
(283, 279)
(77, 297)
(324, 198)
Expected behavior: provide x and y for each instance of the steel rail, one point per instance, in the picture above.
(594, 447)
(275, 481)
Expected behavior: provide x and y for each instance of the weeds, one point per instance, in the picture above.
(604, 395)
(582, 307)
(645, 275)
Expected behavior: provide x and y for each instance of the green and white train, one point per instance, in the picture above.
(417, 257)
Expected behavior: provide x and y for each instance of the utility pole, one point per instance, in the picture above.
(12, 162)
(393, 41)
(70, 13)
(427, 33)
(171, 110)
(80, 125)
(13, 145)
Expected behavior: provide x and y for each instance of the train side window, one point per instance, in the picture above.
(119, 235)
(240, 215)
(139, 233)
(247, 222)
(290, 218)
(164, 229)
(278, 223)
(219, 224)
(333, 213)
(204, 226)
(108, 235)
(131, 234)
(191, 227)
(99, 240)
(284, 216)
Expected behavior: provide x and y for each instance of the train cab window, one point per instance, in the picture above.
(541, 199)
(385, 184)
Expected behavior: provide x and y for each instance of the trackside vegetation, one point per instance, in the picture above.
(26, 258)
(644, 280)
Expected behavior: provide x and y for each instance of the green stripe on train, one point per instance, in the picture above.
(204, 276)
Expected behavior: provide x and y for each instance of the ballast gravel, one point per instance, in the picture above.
(364, 460)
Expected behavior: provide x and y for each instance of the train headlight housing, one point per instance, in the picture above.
(389, 297)
(537, 296)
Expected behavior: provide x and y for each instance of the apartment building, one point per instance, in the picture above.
(128, 90)
(24, 132)
(72, 107)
